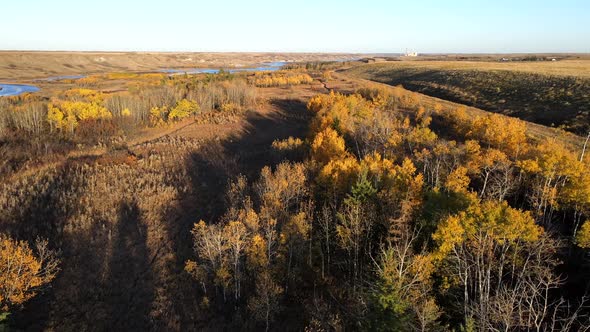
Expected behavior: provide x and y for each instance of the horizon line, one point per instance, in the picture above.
(294, 52)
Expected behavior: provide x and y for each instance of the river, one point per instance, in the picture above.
(267, 66)
(17, 89)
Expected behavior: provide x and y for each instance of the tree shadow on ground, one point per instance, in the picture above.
(105, 282)
(218, 162)
(128, 286)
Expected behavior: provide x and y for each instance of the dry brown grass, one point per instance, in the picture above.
(577, 68)
(114, 217)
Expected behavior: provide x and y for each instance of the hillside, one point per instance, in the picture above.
(551, 93)
(39, 65)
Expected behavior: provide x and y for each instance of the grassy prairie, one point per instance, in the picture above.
(551, 93)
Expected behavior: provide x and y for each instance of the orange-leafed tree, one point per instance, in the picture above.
(24, 271)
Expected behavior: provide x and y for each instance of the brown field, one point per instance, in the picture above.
(576, 68)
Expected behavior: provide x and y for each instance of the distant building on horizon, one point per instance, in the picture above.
(410, 53)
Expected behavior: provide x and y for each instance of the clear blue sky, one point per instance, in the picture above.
(450, 26)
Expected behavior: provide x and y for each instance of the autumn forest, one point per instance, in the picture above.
(307, 198)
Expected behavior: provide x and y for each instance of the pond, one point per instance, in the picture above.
(16, 89)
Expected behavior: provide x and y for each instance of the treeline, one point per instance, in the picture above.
(280, 78)
(322, 65)
(403, 218)
(550, 100)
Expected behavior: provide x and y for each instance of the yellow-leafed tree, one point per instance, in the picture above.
(328, 145)
(583, 236)
(183, 109)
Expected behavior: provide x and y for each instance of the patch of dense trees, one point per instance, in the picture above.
(391, 225)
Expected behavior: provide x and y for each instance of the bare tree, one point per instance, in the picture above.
(265, 303)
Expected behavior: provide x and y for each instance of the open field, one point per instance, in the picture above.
(521, 58)
(575, 68)
(38, 65)
(552, 93)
